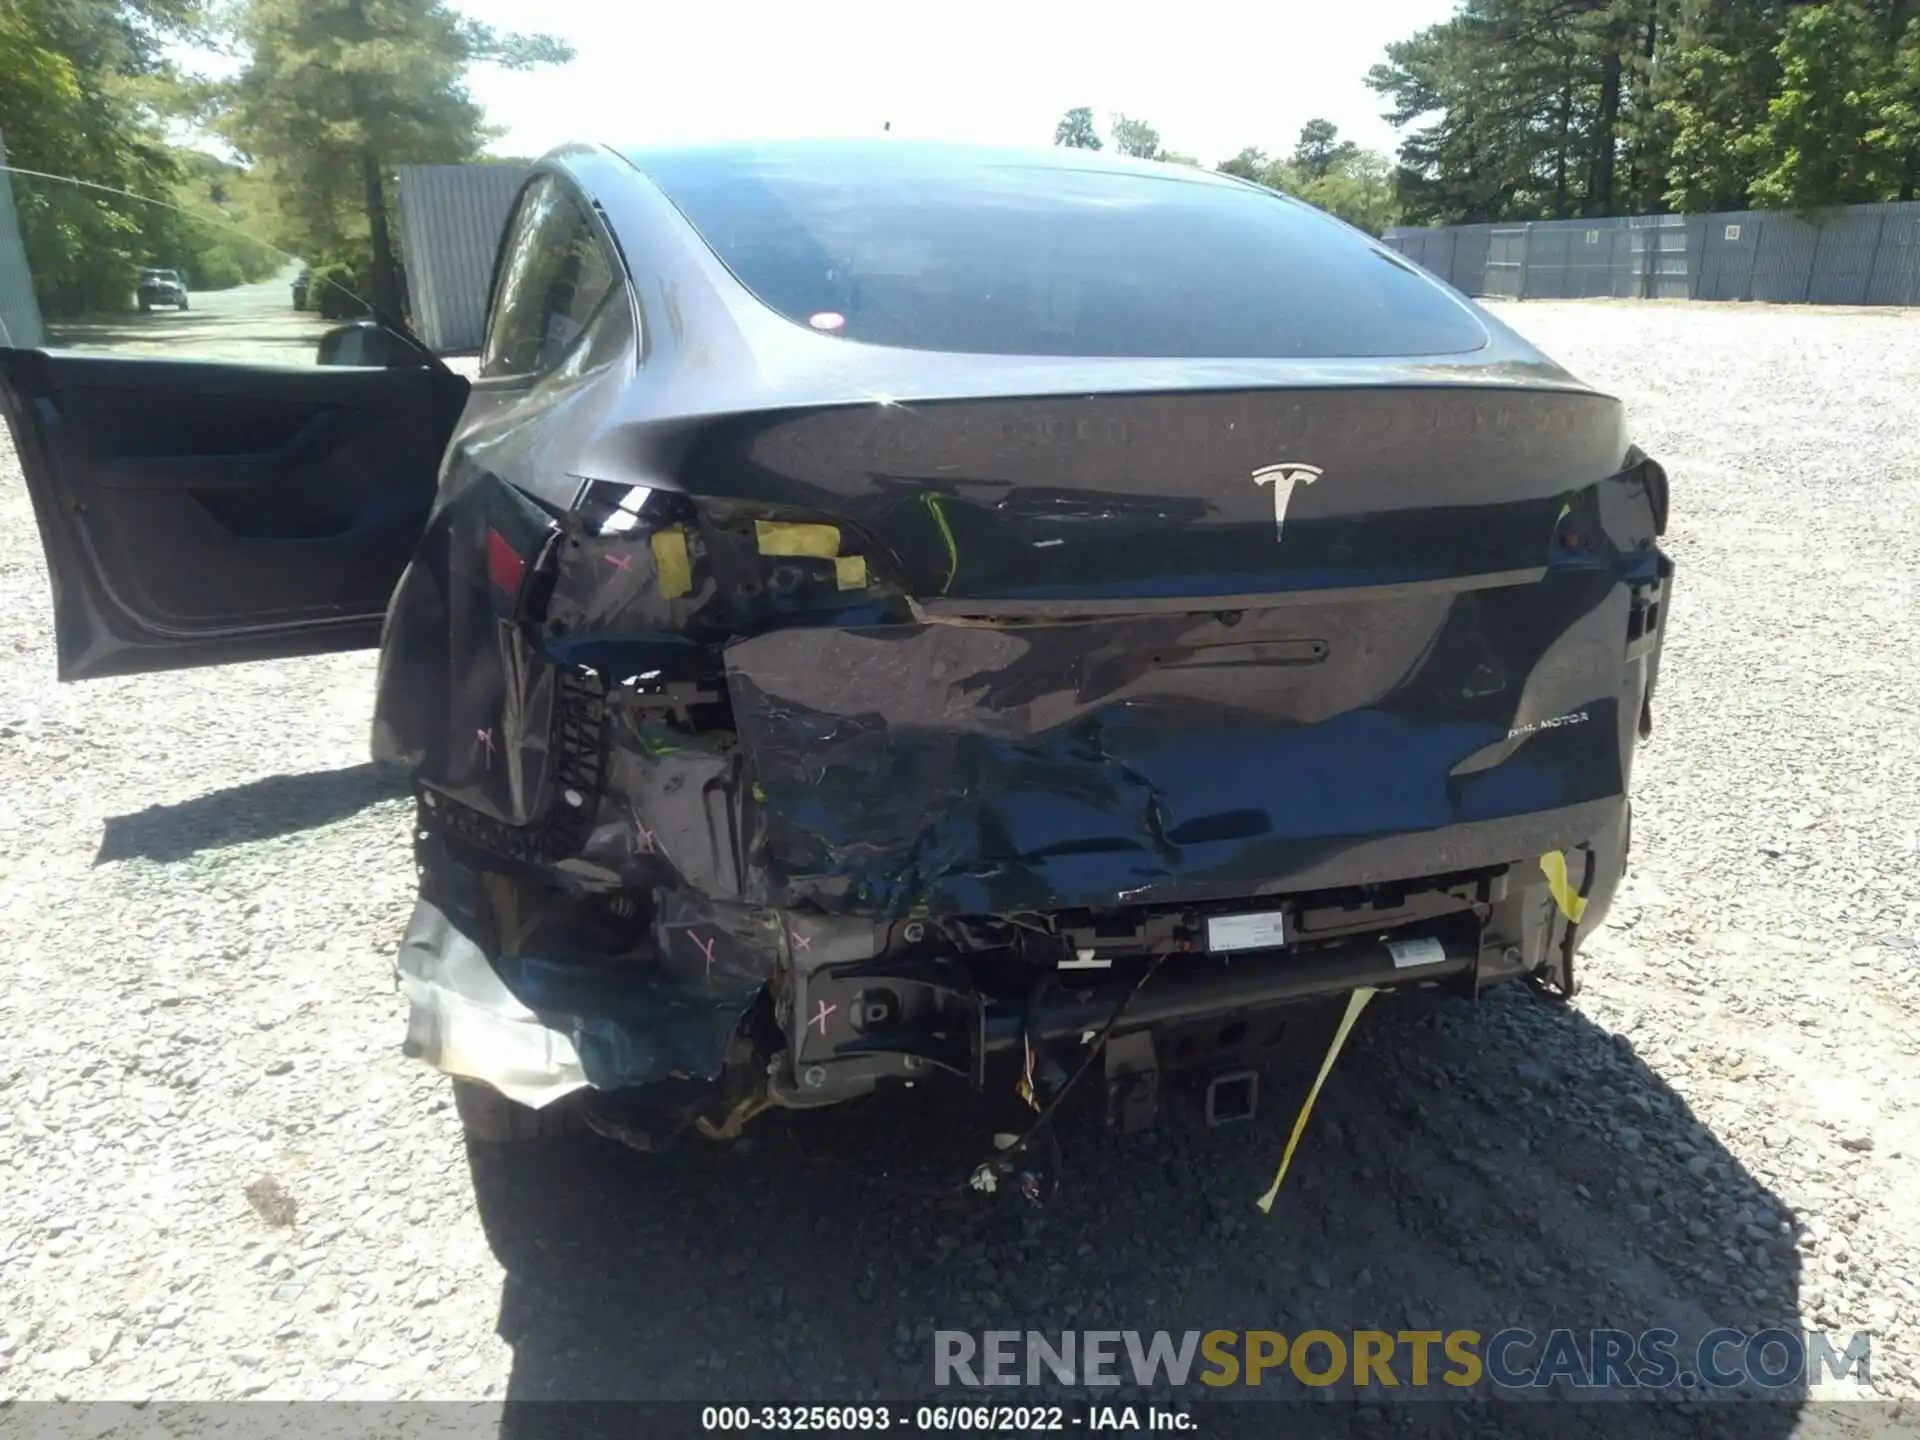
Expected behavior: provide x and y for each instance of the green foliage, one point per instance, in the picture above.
(215, 233)
(338, 92)
(1135, 137)
(1532, 109)
(1075, 130)
(1328, 173)
(39, 87)
(334, 94)
(78, 79)
(86, 92)
(1898, 132)
(1358, 189)
(83, 250)
(1250, 164)
(1320, 150)
(1825, 140)
(1519, 109)
(334, 292)
(1720, 71)
(86, 244)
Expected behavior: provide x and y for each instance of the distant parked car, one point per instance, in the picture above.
(301, 283)
(162, 287)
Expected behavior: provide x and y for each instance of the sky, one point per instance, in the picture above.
(1212, 77)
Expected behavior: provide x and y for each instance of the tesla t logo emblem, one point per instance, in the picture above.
(1283, 478)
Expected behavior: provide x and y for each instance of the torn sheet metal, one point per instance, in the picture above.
(464, 1020)
(718, 950)
(577, 997)
(670, 814)
(977, 769)
(686, 718)
(466, 696)
(941, 768)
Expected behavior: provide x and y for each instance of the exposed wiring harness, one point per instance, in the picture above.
(987, 1174)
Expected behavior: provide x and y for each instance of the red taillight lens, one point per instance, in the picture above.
(506, 568)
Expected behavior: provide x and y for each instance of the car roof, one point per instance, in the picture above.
(845, 155)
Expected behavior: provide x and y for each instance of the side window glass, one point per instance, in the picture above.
(554, 276)
(504, 351)
(88, 269)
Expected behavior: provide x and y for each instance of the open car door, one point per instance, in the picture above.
(211, 483)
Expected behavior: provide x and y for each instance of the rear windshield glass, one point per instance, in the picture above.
(1004, 258)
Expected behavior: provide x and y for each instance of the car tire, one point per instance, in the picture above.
(185, 306)
(146, 308)
(490, 1118)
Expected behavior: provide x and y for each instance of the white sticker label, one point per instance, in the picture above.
(1265, 931)
(1416, 952)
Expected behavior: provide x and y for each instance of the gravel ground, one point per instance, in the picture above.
(219, 1178)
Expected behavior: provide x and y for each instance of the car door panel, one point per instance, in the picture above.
(195, 513)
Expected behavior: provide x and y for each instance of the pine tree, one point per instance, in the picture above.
(338, 92)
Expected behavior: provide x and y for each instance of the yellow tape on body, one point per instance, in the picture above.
(1553, 865)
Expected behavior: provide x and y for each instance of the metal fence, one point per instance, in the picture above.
(1858, 255)
(451, 220)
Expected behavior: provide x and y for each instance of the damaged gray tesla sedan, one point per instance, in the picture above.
(888, 611)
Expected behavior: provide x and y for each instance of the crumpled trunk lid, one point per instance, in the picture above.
(974, 769)
(978, 656)
(985, 658)
(1128, 680)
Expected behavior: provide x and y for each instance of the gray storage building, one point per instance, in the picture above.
(451, 220)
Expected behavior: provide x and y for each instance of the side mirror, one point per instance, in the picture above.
(369, 343)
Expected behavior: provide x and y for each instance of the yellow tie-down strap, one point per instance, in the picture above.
(1356, 1002)
(1553, 865)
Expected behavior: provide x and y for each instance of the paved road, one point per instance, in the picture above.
(256, 324)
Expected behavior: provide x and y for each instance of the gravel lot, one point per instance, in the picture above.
(201, 883)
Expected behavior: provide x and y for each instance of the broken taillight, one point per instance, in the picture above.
(506, 569)
(735, 567)
(519, 532)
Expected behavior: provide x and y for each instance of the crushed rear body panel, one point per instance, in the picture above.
(963, 665)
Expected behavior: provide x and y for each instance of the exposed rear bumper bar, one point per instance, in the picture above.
(902, 1022)
(1247, 982)
(821, 1009)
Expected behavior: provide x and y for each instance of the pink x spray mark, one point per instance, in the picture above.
(802, 940)
(648, 841)
(820, 1017)
(620, 562)
(483, 741)
(706, 949)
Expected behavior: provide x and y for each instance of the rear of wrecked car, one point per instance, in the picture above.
(849, 694)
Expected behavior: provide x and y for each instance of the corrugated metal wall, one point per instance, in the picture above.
(1895, 274)
(1858, 255)
(1506, 267)
(451, 219)
(19, 312)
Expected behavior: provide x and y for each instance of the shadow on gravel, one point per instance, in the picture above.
(1467, 1167)
(257, 810)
